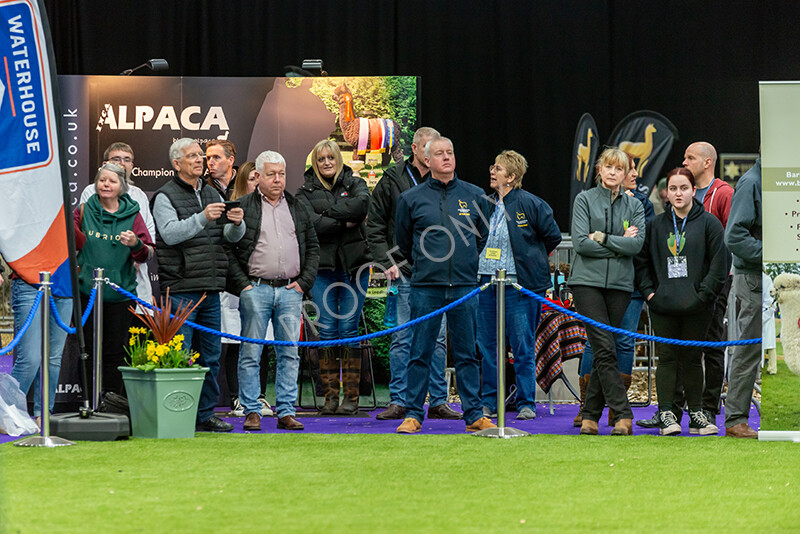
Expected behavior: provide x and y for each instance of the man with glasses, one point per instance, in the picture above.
(192, 260)
(122, 154)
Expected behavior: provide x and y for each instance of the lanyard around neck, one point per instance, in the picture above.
(677, 235)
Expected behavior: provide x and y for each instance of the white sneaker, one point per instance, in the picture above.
(526, 414)
(266, 411)
(237, 410)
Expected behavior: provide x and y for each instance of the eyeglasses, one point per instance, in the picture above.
(194, 156)
(119, 159)
(496, 168)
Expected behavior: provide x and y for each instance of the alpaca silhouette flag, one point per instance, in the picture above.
(33, 233)
(584, 153)
(648, 137)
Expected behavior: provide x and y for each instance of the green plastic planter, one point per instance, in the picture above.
(163, 402)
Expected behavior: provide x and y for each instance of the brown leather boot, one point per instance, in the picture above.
(589, 427)
(583, 382)
(329, 376)
(626, 381)
(624, 427)
(351, 378)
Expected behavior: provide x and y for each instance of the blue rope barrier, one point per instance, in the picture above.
(54, 312)
(84, 317)
(326, 343)
(8, 348)
(636, 335)
(89, 306)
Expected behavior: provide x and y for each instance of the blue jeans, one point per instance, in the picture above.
(522, 318)
(207, 314)
(625, 344)
(28, 359)
(257, 307)
(339, 298)
(461, 320)
(399, 352)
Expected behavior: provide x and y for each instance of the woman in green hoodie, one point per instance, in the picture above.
(110, 233)
(607, 231)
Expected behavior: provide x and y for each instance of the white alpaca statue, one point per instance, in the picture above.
(786, 290)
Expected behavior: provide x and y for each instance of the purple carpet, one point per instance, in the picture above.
(560, 422)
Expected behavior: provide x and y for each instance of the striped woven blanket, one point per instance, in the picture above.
(559, 337)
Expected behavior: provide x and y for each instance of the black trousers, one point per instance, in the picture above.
(713, 357)
(606, 306)
(117, 319)
(677, 363)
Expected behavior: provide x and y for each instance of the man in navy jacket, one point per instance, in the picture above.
(440, 229)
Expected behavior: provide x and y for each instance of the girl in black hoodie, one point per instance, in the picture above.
(679, 271)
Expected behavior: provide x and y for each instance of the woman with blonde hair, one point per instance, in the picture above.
(246, 182)
(608, 230)
(518, 243)
(341, 201)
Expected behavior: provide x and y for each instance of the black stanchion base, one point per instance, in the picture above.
(97, 427)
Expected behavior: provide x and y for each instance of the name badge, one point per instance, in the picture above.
(677, 267)
(493, 253)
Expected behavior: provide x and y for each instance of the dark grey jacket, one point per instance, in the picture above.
(380, 222)
(743, 234)
(608, 265)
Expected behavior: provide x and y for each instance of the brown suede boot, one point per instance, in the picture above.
(583, 382)
(626, 381)
(624, 427)
(351, 378)
(588, 427)
(329, 375)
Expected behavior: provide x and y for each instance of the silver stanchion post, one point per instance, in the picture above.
(45, 440)
(501, 431)
(97, 314)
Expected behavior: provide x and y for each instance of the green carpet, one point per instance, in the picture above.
(379, 483)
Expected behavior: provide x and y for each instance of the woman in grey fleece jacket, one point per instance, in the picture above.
(608, 229)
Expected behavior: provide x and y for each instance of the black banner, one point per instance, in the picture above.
(648, 137)
(584, 152)
(288, 115)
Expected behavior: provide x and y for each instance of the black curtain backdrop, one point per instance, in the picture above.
(495, 74)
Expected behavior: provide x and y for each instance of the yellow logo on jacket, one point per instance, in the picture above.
(522, 220)
(463, 208)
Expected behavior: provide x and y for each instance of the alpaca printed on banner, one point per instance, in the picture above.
(366, 135)
(786, 291)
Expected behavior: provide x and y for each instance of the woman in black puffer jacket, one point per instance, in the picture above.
(341, 201)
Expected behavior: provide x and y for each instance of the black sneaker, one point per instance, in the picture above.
(668, 424)
(237, 410)
(699, 424)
